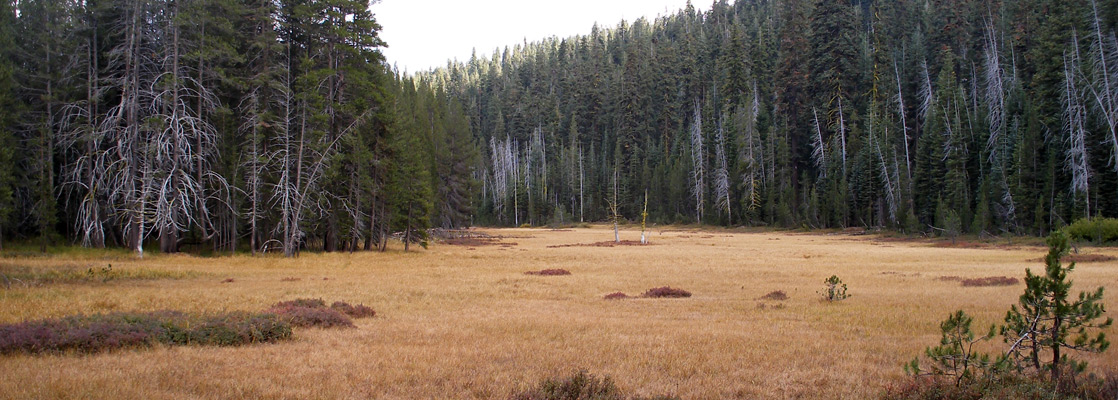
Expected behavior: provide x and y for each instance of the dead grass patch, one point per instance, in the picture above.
(29, 276)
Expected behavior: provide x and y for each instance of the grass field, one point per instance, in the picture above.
(465, 321)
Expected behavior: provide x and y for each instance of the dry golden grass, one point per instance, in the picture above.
(466, 322)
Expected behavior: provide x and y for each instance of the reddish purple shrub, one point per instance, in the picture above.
(549, 272)
(666, 292)
(309, 303)
(95, 333)
(776, 295)
(358, 311)
(616, 296)
(991, 281)
(310, 312)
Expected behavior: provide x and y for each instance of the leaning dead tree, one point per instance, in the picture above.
(1075, 115)
(698, 171)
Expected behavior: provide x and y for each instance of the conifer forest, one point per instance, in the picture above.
(278, 126)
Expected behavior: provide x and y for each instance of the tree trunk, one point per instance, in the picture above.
(168, 241)
(407, 230)
(1056, 345)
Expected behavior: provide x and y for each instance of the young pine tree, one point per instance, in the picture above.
(1048, 322)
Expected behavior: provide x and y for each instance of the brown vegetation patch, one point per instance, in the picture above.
(290, 279)
(608, 243)
(616, 296)
(776, 295)
(549, 272)
(358, 311)
(960, 244)
(473, 241)
(313, 312)
(1082, 258)
(991, 281)
(666, 292)
(902, 274)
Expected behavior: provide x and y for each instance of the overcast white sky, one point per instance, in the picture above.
(422, 34)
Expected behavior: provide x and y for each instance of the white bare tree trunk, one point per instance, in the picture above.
(698, 172)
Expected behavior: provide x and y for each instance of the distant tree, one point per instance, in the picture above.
(8, 111)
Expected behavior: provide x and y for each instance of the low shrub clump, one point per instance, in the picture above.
(1005, 386)
(579, 386)
(666, 292)
(358, 311)
(776, 295)
(1098, 230)
(616, 296)
(549, 272)
(310, 312)
(991, 281)
(102, 332)
(313, 312)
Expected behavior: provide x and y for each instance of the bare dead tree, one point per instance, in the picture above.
(615, 217)
(1104, 80)
(904, 121)
(754, 150)
(819, 147)
(927, 94)
(842, 135)
(1075, 115)
(698, 171)
(722, 173)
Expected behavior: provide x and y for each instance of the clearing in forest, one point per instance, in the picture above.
(466, 321)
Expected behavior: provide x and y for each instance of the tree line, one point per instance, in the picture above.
(265, 125)
(989, 117)
(223, 124)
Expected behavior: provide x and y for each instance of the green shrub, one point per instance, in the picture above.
(1098, 230)
(834, 289)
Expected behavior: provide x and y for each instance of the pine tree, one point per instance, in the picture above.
(1049, 322)
(8, 111)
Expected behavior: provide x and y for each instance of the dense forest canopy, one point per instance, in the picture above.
(220, 123)
(278, 125)
(980, 116)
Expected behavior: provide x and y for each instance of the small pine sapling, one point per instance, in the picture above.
(1049, 322)
(955, 356)
(834, 289)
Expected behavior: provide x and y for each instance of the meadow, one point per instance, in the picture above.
(463, 320)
